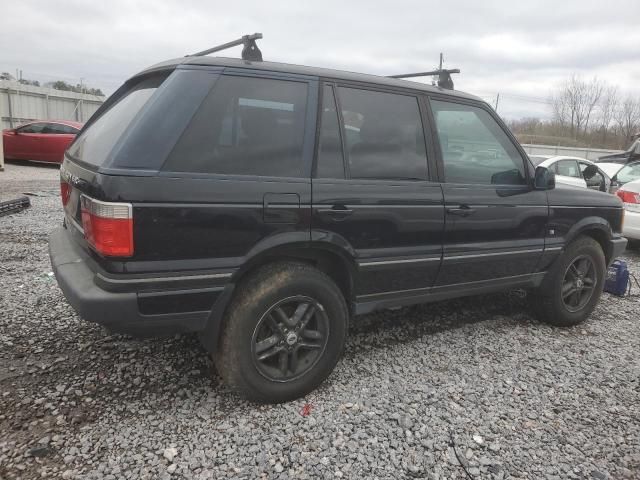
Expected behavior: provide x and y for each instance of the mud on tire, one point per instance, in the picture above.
(283, 333)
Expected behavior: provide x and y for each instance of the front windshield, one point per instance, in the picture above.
(629, 173)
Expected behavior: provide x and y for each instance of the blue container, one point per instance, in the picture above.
(617, 281)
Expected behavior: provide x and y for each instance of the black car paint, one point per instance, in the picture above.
(396, 243)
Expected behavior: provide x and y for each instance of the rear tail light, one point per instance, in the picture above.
(108, 227)
(65, 192)
(628, 197)
(631, 200)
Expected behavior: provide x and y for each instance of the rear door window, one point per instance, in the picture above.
(568, 168)
(245, 126)
(384, 135)
(96, 142)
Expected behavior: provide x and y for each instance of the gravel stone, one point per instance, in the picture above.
(545, 402)
(169, 453)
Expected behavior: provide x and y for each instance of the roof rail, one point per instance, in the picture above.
(250, 51)
(444, 75)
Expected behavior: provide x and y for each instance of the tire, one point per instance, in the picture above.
(259, 335)
(548, 302)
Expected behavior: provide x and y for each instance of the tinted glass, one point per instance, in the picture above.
(33, 128)
(330, 158)
(629, 173)
(475, 149)
(568, 168)
(384, 135)
(158, 127)
(245, 126)
(69, 129)
(55, 128)
(97, 141)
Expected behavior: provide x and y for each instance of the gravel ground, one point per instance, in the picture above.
(477, 379)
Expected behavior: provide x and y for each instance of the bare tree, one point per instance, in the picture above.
(608, 107)
(574, 104)
(628, 117)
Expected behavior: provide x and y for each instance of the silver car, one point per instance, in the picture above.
(575, 171)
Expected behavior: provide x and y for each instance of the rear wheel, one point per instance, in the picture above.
(572, 288)
(284, 333)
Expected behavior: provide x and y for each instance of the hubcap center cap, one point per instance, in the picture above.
(579, 283)
(291, 338)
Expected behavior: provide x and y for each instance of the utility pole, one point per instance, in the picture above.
(81, 99)
(497, 101)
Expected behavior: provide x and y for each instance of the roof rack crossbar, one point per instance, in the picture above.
(444, 76)
(250, 51)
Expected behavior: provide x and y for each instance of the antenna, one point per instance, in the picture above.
(444, 75)
(250, 51)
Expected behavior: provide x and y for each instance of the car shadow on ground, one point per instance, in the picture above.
(32, 163)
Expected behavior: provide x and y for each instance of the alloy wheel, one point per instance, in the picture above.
(290, 338)
(579, 283)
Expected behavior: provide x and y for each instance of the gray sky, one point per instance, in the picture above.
(520, 49)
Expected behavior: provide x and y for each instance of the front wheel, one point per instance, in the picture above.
(572, 287)
(284, 333)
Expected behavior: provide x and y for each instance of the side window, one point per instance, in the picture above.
(330, 162)
(383, 135)
(475, 149)
(245, 126)
(568, 168)
(54, 128)
(33, 128)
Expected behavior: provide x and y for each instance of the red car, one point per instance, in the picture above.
(44, 141)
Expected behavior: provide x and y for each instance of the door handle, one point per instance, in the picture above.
(337, 212)
(462, 211)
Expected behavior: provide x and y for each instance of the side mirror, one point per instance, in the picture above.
(590, 172)
(544, 179)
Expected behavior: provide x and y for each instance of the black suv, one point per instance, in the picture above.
(263, 205)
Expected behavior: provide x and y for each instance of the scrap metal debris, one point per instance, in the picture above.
(12, 206)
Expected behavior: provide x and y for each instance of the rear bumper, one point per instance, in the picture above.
(631, 227)
(140, 305)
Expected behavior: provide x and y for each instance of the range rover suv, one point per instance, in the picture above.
(264, 205)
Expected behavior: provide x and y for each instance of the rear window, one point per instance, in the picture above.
(96, 142)
(245, 126)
